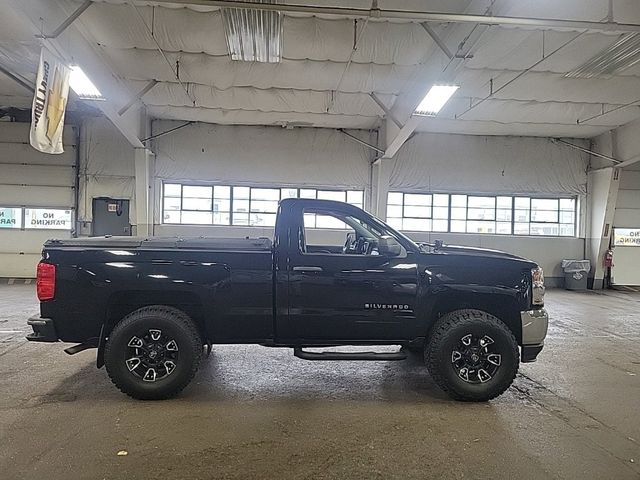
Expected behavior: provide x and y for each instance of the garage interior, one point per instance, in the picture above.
(203, 102)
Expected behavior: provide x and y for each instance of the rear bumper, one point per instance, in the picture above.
(43, 330)
(534, 330)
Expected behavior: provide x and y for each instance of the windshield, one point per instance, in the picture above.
(387, 230)
(364, 224)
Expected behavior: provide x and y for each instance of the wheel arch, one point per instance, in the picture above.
(122, 303)
(502, 306)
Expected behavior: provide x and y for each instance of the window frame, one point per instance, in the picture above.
(302, 245)
(250, 200)
(496, 208)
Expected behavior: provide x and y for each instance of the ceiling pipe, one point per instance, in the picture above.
(586, 150)
(356, 41)
(173, 70)
(524, 72)
(361, 142)
(619, 107)
(411, 15)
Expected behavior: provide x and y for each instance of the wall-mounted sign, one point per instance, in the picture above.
(10, 217)
(626, 237)
(47, 218)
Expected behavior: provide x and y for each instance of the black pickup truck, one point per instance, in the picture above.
(152, 305)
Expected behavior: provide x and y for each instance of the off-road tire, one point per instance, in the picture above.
(178, 326)
(442, 341)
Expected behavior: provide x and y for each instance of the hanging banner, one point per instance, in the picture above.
(49, 104)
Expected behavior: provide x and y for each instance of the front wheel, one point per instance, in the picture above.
(472, 355)
(153, 353)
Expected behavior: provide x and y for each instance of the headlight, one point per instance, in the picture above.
(537, 284)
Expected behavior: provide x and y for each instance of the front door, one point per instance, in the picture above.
(343, 287)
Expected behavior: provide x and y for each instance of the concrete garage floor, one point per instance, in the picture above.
(254, 412)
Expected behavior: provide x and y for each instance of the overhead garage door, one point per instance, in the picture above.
(36, 198)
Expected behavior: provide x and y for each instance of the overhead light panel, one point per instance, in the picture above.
(620, 55)
(253, 35)
(435, 99)
(81, 84)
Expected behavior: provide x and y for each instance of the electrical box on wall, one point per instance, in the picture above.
(110, 217)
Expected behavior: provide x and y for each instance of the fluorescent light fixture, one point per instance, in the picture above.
(435, 99)
(81, 84)
(253, 35)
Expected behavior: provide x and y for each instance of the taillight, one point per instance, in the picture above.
(46, 281)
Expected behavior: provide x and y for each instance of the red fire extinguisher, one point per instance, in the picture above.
(607, 260)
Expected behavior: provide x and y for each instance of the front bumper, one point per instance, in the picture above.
(534, 330)
(43, 330)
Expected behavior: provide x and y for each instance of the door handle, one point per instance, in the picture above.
(307, 269)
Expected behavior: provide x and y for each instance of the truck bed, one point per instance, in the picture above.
(165, 243)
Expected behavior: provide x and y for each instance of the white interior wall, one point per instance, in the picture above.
(107, 168)
(29, 178)
(509, 165)
(323, 158)
(268, 156)
(428, 162)
(489, 164)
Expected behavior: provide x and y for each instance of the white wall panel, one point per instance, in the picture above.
(38, 175)
(106, 167)
(260, 155)
(19, 152)
(16, 132)
(319, 157)
(31, 179)
(475, 164)
(16, 196)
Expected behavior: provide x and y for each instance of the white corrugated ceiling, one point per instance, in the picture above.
(306, 89)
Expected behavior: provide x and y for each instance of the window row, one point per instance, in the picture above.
(502, 215)
(35, 218)
(244, 206)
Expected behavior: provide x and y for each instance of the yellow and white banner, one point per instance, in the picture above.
(49, 103)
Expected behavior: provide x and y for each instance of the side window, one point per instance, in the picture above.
(325, 232)
(338, 233)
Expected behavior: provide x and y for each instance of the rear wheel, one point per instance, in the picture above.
(153, 353)
(472, 355)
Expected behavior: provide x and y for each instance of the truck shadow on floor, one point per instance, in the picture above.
(236, 374)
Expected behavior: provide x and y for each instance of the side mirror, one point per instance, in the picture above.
(389, 246)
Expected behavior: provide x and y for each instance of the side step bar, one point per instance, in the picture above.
(81, 347)
(369, 356)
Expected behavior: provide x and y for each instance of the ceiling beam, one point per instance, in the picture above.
(385, 109)
(23, 82)
(402, 135)
(69, 20)
(412, 15)
(631, 161)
